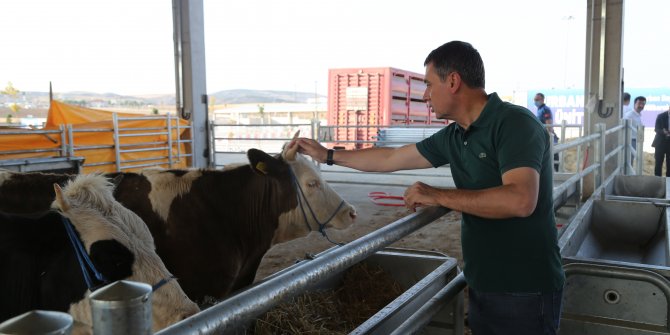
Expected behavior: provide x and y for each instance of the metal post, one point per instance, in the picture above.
(238, 310)
(169, 140)
(212, 149)
(627, 154)
(600, 128)
(63, 144)
(561, 164)
(123, 307)
(38, 322)
(417, 321)
(177, 121)
(640, 151)
(117, 145)
(70, 134)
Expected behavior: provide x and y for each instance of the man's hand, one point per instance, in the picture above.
(420, 195)
(310, 148)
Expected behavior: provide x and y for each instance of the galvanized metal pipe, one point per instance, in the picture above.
(117, 144)
(640, 147)
(238, 310)
(422, 317)
(565, 146)
(637, 199)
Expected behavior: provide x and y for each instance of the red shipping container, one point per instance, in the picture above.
(371, 97)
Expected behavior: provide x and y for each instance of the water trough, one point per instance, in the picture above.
(616, 258)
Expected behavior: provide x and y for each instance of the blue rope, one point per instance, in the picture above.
(85, 262)
(161, 283)
(322, 226)
(82, 257)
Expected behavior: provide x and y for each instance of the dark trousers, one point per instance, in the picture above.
(514, 313)
(658, 167)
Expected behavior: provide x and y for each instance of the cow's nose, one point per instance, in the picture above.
(352, 214)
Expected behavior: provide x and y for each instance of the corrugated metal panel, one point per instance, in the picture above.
(393, 97)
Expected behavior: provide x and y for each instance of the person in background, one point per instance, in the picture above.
(635, 115)
(626, 103)
(661, 144)
(500, 160)
(545, 116)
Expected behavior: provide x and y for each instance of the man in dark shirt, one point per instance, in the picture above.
(501, 163)
(545, 117)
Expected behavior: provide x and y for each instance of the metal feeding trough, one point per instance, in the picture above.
(639, 186)
(421, 274)
(616, 257)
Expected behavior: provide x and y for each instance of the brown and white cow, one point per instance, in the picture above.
(212, 227)
(40, 268)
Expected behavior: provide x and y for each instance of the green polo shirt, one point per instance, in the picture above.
(502, 255)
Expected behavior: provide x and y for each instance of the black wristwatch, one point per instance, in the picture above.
(329, 157)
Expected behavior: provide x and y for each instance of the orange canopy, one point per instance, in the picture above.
(98, 147)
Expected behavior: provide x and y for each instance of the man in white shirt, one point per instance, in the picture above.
(636, 119)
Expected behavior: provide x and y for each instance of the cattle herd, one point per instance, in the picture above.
(208, 228)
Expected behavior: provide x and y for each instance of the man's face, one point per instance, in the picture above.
(539, 100)
(639, 105)
(437, 94)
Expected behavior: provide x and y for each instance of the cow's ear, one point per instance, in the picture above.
(264, 164)
(61, 201)
(117, 180)
(289, 151)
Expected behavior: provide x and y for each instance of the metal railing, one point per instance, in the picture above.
(163, 149)
(238, 310)
(48, 134)
(243, 307)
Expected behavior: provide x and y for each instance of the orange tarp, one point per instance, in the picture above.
(82, 121)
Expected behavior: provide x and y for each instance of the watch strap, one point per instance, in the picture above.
(329, 157)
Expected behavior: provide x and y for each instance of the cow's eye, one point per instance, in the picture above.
(313, 183)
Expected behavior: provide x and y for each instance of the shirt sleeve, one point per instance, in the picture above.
(521, 142)
(434, 148)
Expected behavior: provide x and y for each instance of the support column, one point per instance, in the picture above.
(603, 86)
(189, 54)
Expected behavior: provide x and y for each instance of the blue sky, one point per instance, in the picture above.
(125, 46)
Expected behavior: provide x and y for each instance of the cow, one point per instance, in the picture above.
(212, 227)
(39, 262)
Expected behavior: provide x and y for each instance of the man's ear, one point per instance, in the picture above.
(265, 164)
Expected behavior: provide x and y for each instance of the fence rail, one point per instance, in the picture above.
(69, 147)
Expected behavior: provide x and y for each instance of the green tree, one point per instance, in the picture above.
(12, 92)
(154, 111)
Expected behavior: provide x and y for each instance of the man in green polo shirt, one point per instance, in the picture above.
(501, 163)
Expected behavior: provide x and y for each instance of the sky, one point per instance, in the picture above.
(126, 46)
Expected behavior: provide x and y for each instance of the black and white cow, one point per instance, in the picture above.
(212, 227)
(39, 268)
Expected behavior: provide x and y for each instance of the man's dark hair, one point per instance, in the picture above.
(626, 96)
(640, 98)
(460, 57)
(540, 94)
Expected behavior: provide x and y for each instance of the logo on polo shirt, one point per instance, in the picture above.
(482, 155)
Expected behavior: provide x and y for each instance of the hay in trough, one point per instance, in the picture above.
(365, 289)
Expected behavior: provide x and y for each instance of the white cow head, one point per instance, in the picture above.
(320, 196)
(89, 204)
